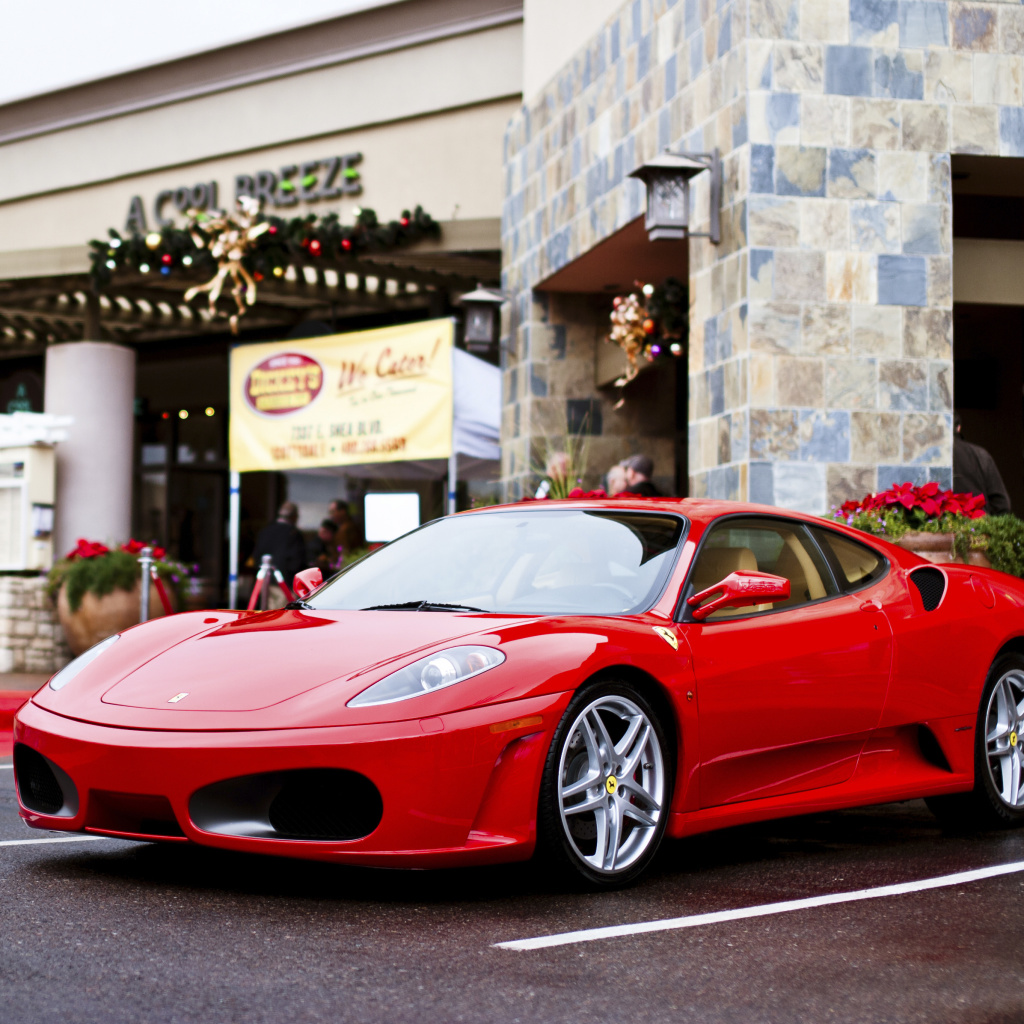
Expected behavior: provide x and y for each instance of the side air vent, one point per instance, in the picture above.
(931, 585)
(37, 785)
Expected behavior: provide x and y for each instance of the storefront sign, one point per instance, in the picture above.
(327, 178)
(371, 396)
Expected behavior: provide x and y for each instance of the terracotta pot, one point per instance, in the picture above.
(100, 617)
(938, 547)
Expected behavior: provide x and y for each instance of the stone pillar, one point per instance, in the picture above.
(94, 382)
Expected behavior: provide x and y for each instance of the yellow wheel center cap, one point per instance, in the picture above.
(1013, 743)
(612, 783)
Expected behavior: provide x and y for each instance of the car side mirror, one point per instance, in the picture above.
(739, 589)
(306, 582)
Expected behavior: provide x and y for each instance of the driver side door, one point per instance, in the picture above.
(787, 692)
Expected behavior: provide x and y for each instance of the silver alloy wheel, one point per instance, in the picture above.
(611, 784)
(1004, 744)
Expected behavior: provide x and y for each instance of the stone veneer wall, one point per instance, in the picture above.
(658, 72)
(31, 638)
(821, 328)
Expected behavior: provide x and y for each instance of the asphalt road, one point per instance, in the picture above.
(109, 931)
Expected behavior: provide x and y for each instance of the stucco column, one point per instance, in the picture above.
(94, 382)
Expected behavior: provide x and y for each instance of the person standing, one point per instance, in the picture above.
(323, 551)
(975, 472)
(347, 536)
(615, 480)
(638, 476)
(283, 542)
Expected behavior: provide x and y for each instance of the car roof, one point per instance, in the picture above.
(698, 509)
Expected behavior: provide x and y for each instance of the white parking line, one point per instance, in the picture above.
(697, 920)
(2, 766)
(59, 839)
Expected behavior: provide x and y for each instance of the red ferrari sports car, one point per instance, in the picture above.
(575, 678)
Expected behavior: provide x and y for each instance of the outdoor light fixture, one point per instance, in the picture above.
(481, 326)
(667, 178)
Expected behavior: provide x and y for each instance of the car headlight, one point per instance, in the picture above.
(434, 672)
(68, 672)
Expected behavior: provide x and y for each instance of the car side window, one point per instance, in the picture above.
(856, 565)
(764, 545)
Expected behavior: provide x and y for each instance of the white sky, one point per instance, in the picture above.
(49, 44)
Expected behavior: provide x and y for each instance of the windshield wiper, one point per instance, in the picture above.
(299, 606)
(422, 606)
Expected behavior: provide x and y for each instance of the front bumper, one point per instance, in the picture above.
(460, 788)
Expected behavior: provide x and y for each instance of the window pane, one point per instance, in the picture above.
(762, 545)
(858, 564)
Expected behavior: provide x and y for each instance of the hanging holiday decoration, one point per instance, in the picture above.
(228, 238)
(248, 247)
(648, 324)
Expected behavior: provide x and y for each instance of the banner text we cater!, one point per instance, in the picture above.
(371, 396)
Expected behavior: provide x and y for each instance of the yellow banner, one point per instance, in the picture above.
(371, 396)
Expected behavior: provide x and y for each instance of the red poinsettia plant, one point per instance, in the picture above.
(906, 507)
(94, 549)
(917, 505)
(92, 567)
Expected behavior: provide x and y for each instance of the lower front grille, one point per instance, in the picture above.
(38, 787)
(325, 803)
(312, 804)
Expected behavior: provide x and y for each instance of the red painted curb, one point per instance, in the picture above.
(10, 702)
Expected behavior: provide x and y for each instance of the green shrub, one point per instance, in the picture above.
(1000, 537)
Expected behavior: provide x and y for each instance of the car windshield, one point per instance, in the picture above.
(551, 561)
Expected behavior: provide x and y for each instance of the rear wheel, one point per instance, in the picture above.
(998, 795)
(606, 787)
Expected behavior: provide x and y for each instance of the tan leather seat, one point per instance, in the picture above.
(796, 565)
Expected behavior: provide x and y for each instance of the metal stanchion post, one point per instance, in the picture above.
(267, 573)
(146, 564)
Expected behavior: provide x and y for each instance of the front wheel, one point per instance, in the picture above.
(998, 795)
(606, 787)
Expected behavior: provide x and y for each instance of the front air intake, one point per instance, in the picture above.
(38, 787)
(313, 804)
(326, 804)
(931, 585)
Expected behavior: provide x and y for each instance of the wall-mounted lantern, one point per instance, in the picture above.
(481, 323)
(667, 178)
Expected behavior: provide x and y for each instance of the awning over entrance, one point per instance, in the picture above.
(36, 310)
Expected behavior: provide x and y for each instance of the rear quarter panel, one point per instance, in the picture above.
(941, 658)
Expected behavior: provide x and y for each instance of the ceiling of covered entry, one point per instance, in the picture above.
(614, 264)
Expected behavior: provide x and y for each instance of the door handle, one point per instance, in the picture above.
(872, 604)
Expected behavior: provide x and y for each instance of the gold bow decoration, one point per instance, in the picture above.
(229, 238)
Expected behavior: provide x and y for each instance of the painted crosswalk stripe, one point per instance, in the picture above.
(718, 917)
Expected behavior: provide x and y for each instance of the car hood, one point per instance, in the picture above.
(274, 670)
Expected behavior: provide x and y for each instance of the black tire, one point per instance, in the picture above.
(567, 839)
(995, 801)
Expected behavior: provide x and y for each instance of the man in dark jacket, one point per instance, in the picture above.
(283, 542)
(638, 476)
(975, 471)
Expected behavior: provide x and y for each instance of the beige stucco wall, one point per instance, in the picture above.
(554, 31)
(429, 120)
(450, 163)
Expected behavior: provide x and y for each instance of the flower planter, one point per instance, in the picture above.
(938, 547)
(98, 617)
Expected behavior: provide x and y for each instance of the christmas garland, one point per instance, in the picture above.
(282, 244)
